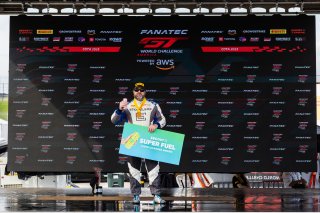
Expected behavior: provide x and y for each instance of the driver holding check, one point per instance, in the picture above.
(142, 112)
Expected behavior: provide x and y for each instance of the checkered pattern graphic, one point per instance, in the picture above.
(279, 49)
(68, 49)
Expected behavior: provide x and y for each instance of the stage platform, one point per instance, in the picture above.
(179, 199)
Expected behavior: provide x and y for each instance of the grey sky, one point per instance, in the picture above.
(4, 48)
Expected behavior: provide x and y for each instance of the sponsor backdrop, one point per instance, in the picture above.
(241, 89)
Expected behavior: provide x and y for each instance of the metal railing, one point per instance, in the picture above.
(4, 89)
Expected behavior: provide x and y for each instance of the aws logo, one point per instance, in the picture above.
(165, 64)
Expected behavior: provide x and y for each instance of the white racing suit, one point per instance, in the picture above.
(150, 114)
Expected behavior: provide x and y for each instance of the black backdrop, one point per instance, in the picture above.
(242, 90)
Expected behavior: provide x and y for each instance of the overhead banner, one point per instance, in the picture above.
(160, 145)
(241, 89)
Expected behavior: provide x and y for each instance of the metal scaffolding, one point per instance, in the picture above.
(12, 7)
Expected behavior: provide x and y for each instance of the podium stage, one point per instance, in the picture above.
(180, 199)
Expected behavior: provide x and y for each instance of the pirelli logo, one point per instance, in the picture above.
(278, 31)
(44, 32)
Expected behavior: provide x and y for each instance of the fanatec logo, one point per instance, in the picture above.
(45, 137)
(45, 160)
(225, 149)
(174, 102)
(303, 138)
(302, 90)
(251, 67)
(225, 125)
(20, 102)
(199, 114)
(200, 137)
(251, 137)
(46, 90)
(164, 32)
(303, 67)
(302, 114)
(97, 67)
(46, 113)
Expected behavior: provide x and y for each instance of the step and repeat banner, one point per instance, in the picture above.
(241, 89)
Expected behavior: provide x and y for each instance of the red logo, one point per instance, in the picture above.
(160, 42)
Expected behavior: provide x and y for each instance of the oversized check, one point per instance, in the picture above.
(160, 145)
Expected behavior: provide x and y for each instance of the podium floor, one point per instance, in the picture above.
(179, 199)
